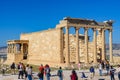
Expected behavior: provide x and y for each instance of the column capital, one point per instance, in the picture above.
(86, 28)
(77, 28)
(94, 29)
(103, 29)
(110, 30)
(66, 27)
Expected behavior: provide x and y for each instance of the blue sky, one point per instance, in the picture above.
(25, 16)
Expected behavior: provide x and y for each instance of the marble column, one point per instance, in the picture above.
(67, 46)
(12, 47)
(95, 45)
(110, 46)
(103, 44)
(86, 45)
(61, 45)
(77, 45)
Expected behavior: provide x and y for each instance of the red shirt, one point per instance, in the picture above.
(41, 69)
(73, 77)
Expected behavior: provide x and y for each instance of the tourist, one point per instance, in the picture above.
(41, 72)
(112, 71)
(92, 71)
(74, 76)
(60, 73)
(107, 67)
(13, 68)
(79, 66)
(83, 75)
(40, 75)
(119, 72)
(47, 72)
(23, 69)
(3, 70)
(29, 72)
(100, 69)
(26, 70)
(103, 64)
(20, 69)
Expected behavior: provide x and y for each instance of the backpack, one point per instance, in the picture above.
(40, 75)
(59, 73)
(111, 72)
(18, 67)
(12, 66)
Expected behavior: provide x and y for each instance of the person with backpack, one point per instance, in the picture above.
(20, 69)
(83, 75)
(29, 73)
(47, 72)
(60, 73)
(13, 68)
(92, 71)
(119, 72)
(41, 72)
(112, 71)
(74, 76)
(107, 68)
(26, 70)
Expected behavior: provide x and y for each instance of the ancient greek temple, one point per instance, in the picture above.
(87, 24)
(58, 47)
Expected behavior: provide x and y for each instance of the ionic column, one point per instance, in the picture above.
(67, 46)
(61, 46)
(103, 44)
(77, 45)
(12, 47)
(95, 45)
(110, 46)
(86, 45)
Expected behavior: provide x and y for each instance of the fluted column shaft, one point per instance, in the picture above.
(95, 46)
(110, 46)
(67, 46)
(77, 45)
(103, 44)
(61, 46)
(86, 45)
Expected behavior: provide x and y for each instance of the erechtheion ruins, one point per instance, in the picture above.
(60, 48)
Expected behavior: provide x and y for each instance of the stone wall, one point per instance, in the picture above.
(44, 47)
(72, 46)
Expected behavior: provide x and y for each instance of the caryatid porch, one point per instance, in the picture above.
(86, 24)
(17, 50)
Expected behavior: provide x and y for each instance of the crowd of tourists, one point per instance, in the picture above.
(25, 71)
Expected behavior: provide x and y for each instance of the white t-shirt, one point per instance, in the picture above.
(100, 67)
(29, 71)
